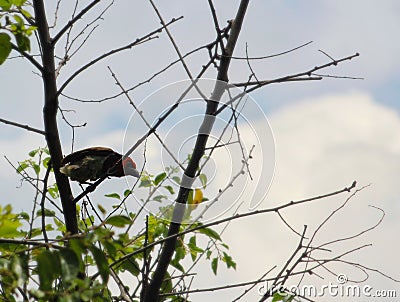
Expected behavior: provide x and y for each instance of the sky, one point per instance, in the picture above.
(310, 137)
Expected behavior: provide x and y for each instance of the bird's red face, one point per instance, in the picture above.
(129, 167)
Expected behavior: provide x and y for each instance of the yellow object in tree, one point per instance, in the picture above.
(197, 199)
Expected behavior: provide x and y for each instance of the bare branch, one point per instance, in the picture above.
(26, 127)
(56, 14)
(237, 216)
(337, 77)
(267, 82)
(114, 51)
(190, 172)
(145, 81)
(32, 183)
(28, 56)
(216, 288)
(144, 118)
(74, 20)
(177, 49)
(288, 78)
(274, 55)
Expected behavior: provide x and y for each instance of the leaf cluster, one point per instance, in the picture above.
(15, 22)
(61, 267)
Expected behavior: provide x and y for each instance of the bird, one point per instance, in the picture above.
(95, 162)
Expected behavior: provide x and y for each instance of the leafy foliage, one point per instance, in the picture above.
(13, 19)
(80, 267)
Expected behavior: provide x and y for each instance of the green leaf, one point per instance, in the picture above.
(145, 183)
(170, 189)
(214, 265)
(19, 20)
(118, 220)
(229, 261)
(225, 246)
(25, 13)
(23, 42)
(46, 162)
(178, 266)
(53, 191)
(113, 195)
(190, 197)
(159, 178)
(36, 167)
(180, 253)
(36, 232)
(131, 266)
(18, 2)
(282, 296)
(49, 227)
(47, 213)
(6, 5)
(111, 247)
(203, 179)
(102, 209)
(101, 262)
(210, 233)
(159, 198)
(22, 166)
(69, 264)
(24, 216)
(19, 266)
(78, 246)
(193, 248)
(48, 269)
(33, 153)
(176, 179)
(9, 228)
(127, 193)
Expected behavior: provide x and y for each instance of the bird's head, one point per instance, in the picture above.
(129, 167)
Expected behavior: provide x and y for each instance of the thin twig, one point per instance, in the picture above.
(28, 56)
(274, 55)
(26, 127)
(140, 112)
(292, 77)
(237, 216)
(74, 20)
(45, 180)
(111, 52)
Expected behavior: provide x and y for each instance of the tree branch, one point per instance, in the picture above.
(293, 77)
(26, 127)
(237, 216)
(50, 116)
(111, 52)
(74, 20)
(152, 294)
(28, 56)
(160, 120)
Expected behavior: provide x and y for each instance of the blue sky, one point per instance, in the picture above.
(327, 133)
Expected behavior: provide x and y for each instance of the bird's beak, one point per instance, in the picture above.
(132, 171)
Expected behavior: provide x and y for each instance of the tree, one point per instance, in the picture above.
(73, 258)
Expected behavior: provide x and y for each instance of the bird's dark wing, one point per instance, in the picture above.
(93, 151)
(110, 162)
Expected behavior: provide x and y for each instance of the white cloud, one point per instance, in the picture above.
(323, 144)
